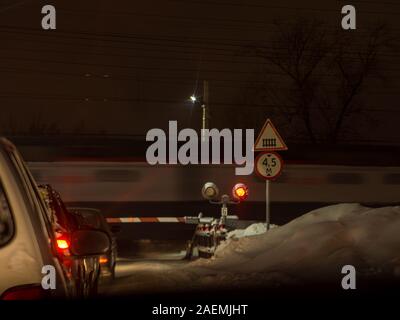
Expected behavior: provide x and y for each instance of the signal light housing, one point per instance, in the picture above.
(240, 191)
(210, 191)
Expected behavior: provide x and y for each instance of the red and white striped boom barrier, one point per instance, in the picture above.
(147, 220)
(187, 220)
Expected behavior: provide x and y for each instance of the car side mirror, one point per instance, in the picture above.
(89, 242)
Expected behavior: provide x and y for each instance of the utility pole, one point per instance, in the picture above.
(204, 107)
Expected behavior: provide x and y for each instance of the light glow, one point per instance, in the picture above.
(62, 244)
(240, 191)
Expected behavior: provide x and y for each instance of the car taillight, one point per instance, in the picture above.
(103, 259)
(62, 244)
(28, 292)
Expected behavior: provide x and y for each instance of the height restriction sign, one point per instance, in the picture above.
(269, 165)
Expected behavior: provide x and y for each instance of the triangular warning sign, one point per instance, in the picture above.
(269, 139)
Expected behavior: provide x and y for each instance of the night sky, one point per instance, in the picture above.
(123, 67)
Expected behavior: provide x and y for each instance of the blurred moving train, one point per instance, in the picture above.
(110, 173)
(138, 189)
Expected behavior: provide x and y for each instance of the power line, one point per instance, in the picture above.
(210, 21)
(373, 2)
(135, 67)
(171, 81)
(21, 95)
(286, 8)
(14, 5)
(230, 71)
(164, 50)
(260, 58)
(148, 40)
(104, 54)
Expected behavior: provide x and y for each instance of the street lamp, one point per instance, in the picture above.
(203, 102)
(193, 98)
(200, 101)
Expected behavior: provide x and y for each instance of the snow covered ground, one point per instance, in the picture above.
(312, 248)
(253, 230)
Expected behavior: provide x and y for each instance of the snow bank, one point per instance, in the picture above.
(311, 248)
(252, 230)
(314, 247)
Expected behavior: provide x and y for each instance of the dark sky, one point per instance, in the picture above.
(123, 67)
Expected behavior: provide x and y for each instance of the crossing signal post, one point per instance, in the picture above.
(269, 164)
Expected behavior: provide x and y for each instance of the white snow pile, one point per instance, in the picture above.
(254, 229)
(313, 247)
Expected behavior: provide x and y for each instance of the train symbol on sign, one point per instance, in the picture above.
(267, 143)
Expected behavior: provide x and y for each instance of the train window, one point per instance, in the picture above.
(6, 222)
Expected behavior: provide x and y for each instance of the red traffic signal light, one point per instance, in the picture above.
(240, 191)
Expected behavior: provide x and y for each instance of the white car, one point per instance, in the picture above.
(27, 243)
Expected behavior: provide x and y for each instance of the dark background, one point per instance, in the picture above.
(123, 67)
